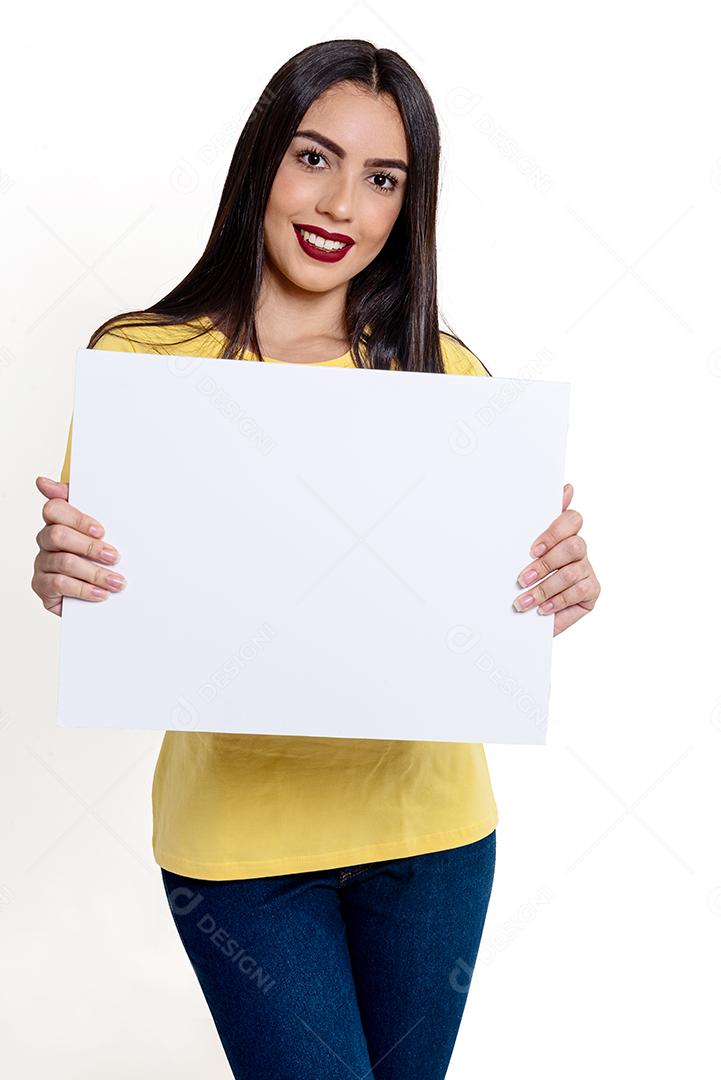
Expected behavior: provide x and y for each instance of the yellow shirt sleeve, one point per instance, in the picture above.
(115, 341)
(459, 360)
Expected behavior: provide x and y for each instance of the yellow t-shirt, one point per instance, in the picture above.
(245, 806)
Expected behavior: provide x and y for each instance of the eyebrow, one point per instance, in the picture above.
(376, 163)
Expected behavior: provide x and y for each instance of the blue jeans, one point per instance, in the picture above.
(340, 974)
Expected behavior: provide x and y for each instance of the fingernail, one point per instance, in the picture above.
(107, 555)
(96, 530)
(523, 603)
(539, 549)
(528, 578)
(116, 581)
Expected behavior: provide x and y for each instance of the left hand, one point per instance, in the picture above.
(572, 589)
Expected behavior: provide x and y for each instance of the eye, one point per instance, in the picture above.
(386, 176)
(313, 151)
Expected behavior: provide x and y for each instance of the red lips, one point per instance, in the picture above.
(317, 231)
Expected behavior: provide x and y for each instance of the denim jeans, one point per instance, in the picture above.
(343, 974)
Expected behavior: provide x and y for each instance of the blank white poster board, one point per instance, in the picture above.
(312, 550)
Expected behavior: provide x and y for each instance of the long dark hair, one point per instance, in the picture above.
(392, 304)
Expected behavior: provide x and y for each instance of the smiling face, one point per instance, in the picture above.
(346, 175)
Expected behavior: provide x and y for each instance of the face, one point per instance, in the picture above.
(348, 178)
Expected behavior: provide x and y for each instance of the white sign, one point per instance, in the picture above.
(312, 550)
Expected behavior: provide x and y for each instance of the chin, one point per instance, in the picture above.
(311, 282)
(314, 286)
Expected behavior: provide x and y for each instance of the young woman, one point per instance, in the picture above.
(330, 893)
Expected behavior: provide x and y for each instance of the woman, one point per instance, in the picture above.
(330, 893)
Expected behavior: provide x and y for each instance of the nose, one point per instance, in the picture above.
(337, 198)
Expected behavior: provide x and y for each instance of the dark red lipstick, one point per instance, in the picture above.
(319, 253)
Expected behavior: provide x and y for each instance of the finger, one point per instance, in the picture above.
(60, 537)
(568, 617)
(580, 592)
(567, 496)
(566, 524)
(58, 510)
(554, 585)
(573, 549)
(51, 588)
(73, 566)
(51, 489)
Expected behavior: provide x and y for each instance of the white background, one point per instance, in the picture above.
(578, 240)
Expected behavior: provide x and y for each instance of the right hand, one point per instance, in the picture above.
(64, 565)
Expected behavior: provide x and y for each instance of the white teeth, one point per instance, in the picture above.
(321, 242)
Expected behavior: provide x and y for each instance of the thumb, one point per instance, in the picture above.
(52, 489)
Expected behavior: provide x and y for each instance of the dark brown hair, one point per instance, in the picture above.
(392, 306)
